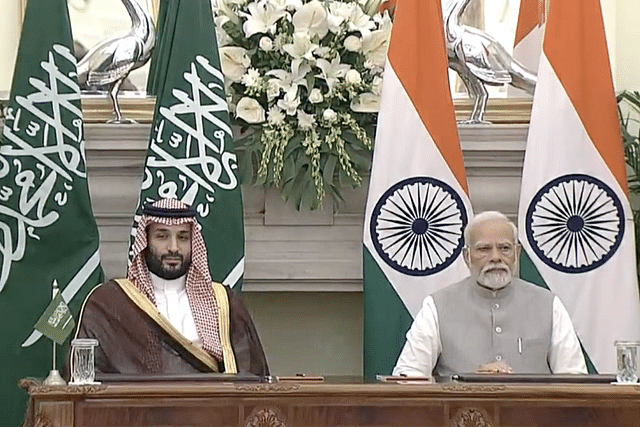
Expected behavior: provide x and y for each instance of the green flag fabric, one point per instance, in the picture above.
(190, 155)
(167, 13)
(47, 229)
(56, 323)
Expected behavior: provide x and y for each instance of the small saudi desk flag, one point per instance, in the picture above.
(56, 323)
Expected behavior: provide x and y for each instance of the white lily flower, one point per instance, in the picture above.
(290, 102)
(287, 4)
(301, 48)
(311, 18)
(275, 116)
(360, 21)
(375, 46)
(332, 71)
(341, 10)
(334, 22)
(306, 121)
(261, 18)
(290, 80)
(234, 61)
(250, 110)
(366, 103)
(322, 52)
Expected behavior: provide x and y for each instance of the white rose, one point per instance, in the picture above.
(266, 44)
(250, 110)
(234, 61)
(329, 115)
(353, 77)
(353, 43)
(315, 96)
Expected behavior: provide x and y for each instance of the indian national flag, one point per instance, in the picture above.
(575, 221)
(418, 204)
(527, 44)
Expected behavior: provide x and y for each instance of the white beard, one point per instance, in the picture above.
(495, 278)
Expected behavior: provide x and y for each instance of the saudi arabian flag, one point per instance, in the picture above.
(576, 225)
(417, 205)
(56, 323)
(47, 230)
(190, 155)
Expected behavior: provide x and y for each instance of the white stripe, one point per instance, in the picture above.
(234, 275)
(403, 149)
(603, 302)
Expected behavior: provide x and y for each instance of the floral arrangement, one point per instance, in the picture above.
(303, 81)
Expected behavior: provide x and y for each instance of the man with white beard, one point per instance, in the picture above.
(491, 321)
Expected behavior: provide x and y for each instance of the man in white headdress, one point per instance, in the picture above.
(168, 316)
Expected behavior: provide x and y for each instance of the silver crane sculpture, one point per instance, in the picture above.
(109, 62)
(479, 59)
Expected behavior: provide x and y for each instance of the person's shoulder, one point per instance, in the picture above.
(454, 288)
(532, 288)
(232, 295)
(105, 290)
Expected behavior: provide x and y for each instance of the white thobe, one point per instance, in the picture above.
(173, 303)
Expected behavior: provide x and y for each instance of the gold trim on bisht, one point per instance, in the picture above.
(152, 311)
(222, 300)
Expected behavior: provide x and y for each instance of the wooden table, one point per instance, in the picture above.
(334, 403)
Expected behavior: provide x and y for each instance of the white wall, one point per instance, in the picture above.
(10, 22)
(627, 47)
(621, 22)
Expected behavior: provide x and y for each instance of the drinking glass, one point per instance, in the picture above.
(82, 361)
(627, 353)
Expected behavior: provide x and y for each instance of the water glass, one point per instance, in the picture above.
(82, 361)
(627, 353)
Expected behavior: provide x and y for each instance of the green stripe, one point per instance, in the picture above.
(386, 320)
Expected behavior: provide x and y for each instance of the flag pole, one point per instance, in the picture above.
(54, 377)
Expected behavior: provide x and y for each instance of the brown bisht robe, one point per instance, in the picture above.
(131, 342)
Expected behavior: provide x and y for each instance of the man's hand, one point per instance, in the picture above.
(494, 368)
